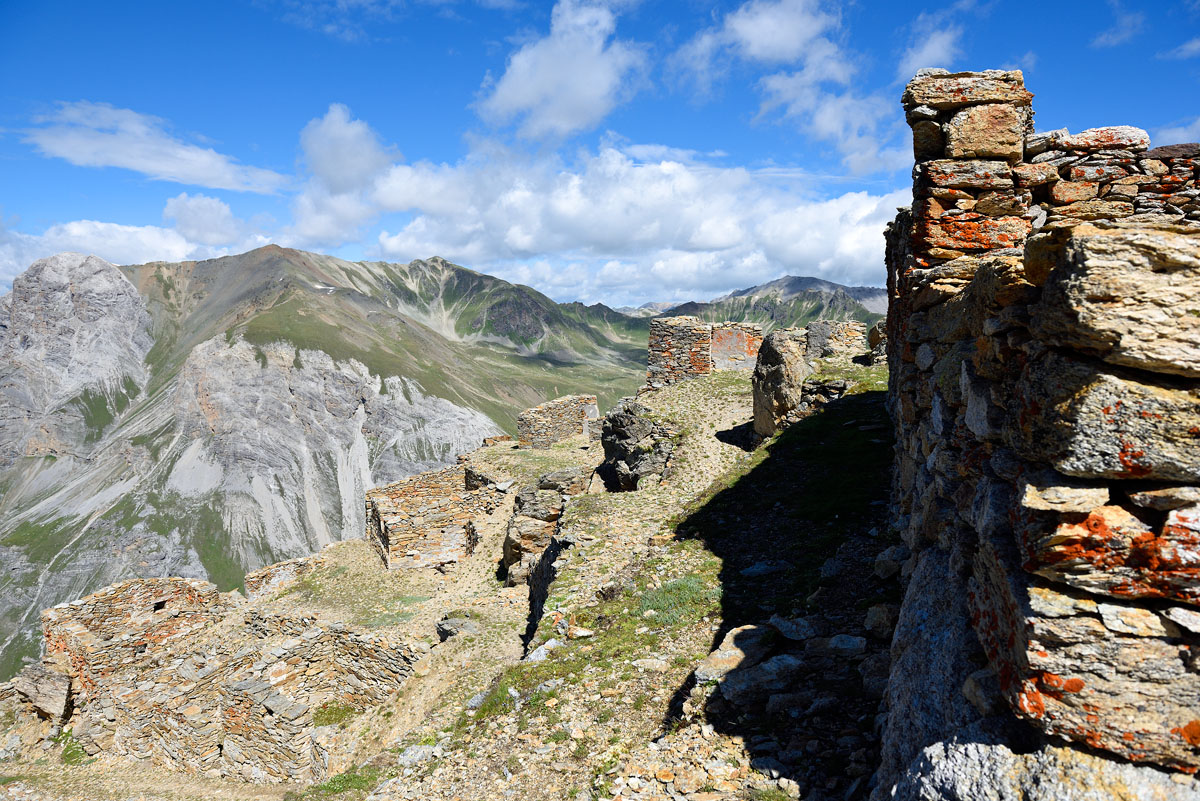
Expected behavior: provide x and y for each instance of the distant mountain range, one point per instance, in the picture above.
(205, 418)
(782, 303)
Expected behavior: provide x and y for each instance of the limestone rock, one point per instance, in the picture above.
(779, 378)
(974, 174)
(49, 692)
(954, 90)
(991, 130)
(742, 648)
(1123, 137)
(1092, 423)
(1154, 271)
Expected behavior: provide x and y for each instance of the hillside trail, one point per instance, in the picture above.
(646, 585)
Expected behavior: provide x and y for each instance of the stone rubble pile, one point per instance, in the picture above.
(271, 578)
(559, 419)
(1044, 350)
(172, 671)
(428, 520)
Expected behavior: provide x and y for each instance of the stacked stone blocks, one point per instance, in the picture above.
(685, 347)
(429, 519)
(559, 419)
(1044, 339)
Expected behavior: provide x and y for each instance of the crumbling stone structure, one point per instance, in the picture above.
(559, 419)
(428, 519)
(1044, 351)
(269, 579)
(685, 347)
(536, 512)
(173, 671)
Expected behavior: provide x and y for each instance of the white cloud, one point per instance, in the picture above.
(344, 157)
(343, 153)
(100, 135)
(203, 219)
(347, 20)
(120, 244)
(616, 228)
(933, 46)
(1183, 132)
(777, 30)
(1189, 49)
(1126, 25)
(569, 80)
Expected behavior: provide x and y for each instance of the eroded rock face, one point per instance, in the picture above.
(637, 447)
(779, 378)
(534, 521)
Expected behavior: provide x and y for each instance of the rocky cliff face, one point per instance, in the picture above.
(203, 419)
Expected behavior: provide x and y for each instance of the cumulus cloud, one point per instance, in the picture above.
(119, 244)
(816, 91)
(203, 219)
(1126, 25)
(643, 229)
(569, 80)
(100, 135)
(934, 45)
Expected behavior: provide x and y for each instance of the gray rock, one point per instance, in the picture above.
(637, 447)
(47, 691)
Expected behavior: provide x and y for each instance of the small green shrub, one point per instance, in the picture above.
(331, 713)
(353, 779)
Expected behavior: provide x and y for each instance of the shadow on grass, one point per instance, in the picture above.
(773, 523)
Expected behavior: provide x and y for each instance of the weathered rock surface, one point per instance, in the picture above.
(637, 447)
(47, 691)
(779, 378)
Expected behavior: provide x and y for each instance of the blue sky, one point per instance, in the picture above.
(614, 150)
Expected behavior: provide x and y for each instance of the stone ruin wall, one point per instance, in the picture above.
(680, 348)
(685, 347)
(1044, 351)
(429, 519)
(734, 346)
(172, 671)
(266, 580)
(559, 419)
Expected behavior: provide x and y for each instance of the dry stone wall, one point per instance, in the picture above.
(686, 347)
(1044, 338)
(559, 419)
(429, 519)
(735, 345)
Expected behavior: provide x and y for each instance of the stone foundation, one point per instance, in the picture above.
(272, 578)
(685, 347)
(559, 419)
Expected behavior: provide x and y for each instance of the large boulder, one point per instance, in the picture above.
(778, 378)
(637, 447)
(47, 691)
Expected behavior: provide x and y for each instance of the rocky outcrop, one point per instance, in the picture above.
(784, 389)
(534, 521)
(779, 379)
(1047, 414)
(637, 447)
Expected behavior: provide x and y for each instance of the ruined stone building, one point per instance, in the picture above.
(684, 347)
(1044, 347)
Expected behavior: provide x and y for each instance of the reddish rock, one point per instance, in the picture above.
(1097, 172)
(969, 174)
(976, 232)
(1035, 174)
(1073, 191)
(992, 130)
